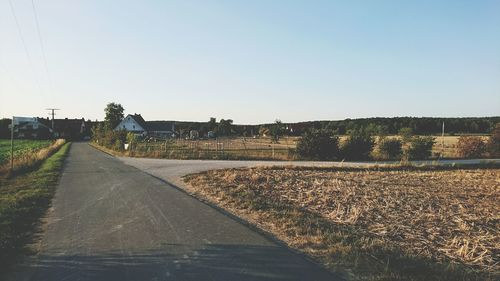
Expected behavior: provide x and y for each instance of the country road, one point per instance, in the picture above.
(173, 170)
(111, 221)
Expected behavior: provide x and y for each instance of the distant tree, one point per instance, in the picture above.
(382, 130)
(406, 134)
(358, 145)
(114, 114)
(493, 144)
(318, 145)
(389, 149)
(4, 128)
(276, 130)
(225, 127)
(420, 147)
(471, 147)
(212, 124)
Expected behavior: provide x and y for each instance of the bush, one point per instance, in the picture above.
(318, 145)
(358, 146)
(470, 147)
(493, 144)
(420, 147)
(406, 134)
(131, 138)
(118, 145)
(109, 138)
(390, 149)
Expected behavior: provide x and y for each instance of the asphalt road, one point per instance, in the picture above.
(173, 170)
(111, 221)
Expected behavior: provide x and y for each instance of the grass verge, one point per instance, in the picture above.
(24, 199)
(30, 159)
(399, 223)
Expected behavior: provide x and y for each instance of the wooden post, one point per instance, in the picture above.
(442, 142)
(12, 146)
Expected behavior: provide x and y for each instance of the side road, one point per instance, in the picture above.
(111, 221)
(173, 170)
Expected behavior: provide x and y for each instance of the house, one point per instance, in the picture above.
(32, 128)
(135, 123)
(161, 129)
(70, 129)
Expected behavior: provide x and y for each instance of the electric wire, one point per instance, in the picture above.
(19, 31)
(44, 57)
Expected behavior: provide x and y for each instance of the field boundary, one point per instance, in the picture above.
(30, 161)
(24, 199)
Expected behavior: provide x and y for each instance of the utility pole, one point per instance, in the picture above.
(53, 110)
(442, 141)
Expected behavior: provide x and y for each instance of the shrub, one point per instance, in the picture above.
(118, 145)
(318, 145)
(470, 147)
(131, 138)
(358, 146)
(493, 144)
(110, 138)
(390, 149)
(420, 147)
(406, 134)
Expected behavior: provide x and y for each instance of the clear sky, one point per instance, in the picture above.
(251, 61)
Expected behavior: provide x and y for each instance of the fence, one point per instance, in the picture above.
(226, 148)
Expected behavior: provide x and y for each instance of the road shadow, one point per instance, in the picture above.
(178, 262)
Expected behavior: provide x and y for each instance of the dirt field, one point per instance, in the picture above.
(372, 224)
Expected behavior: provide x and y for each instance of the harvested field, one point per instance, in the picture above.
(373, 224)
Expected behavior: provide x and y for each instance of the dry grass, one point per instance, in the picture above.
(375, 224)
(29, 160)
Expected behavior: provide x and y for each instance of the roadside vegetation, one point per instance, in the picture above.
(313, 145)
(24, 199)
(21, 148)
(401, 223)
(348, 140)
(27, 154)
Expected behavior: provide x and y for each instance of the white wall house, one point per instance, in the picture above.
(133, 123)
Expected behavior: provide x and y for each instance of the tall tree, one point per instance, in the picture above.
(114, 114)
(276, 130)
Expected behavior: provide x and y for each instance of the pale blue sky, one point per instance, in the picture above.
(252, 61)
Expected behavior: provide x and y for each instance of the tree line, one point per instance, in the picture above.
(376, 126)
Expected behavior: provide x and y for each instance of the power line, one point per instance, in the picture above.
(41, 42)
(24, 44)
(20, 32)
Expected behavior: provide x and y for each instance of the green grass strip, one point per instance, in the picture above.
(24, 199)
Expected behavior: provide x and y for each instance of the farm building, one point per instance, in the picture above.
(161, 129)
(70, 129)
(136, 124)
(41, 128)
(32, 129)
